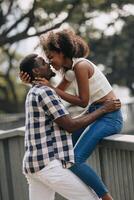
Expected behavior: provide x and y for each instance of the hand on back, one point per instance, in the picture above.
(112, 105)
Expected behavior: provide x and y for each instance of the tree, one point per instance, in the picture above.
(19, 23)
(116, 52)
(16, 24)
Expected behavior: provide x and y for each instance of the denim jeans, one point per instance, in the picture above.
(85, 141)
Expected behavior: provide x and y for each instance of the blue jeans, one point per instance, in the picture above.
(109, 124)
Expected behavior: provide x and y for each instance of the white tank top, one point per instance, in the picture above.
(98, 83)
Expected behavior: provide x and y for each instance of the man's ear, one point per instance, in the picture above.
(36, 71)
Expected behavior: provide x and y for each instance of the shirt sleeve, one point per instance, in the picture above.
(51, 103)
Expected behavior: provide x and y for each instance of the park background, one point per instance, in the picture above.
(108, 28)
(106, 25)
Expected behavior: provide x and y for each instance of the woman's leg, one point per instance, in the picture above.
(81, 169)
(105, 126)
(90, 178)
(76, 135)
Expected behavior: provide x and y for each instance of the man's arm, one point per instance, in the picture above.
(71, 125)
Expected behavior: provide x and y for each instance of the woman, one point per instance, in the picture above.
(66, 52)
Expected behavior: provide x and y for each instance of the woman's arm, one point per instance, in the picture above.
(82, 75)
(72, 99)
(63, 85)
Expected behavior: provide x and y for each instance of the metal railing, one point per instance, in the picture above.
(113, 160)
(14, 120)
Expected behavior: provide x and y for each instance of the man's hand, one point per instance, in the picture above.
(111, 105)
(71, 125)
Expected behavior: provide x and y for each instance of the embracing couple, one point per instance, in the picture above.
(51, 162)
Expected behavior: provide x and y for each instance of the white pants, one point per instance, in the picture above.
(54, 178)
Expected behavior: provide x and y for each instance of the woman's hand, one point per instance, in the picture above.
(41, 81)
(25, 78)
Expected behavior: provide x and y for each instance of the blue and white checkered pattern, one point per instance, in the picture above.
(44, 139)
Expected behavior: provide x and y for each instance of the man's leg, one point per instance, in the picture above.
(38, 190)
(64, 182)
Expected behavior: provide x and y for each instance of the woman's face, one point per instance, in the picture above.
(56, 59)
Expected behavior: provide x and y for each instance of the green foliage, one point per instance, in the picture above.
(115, 51)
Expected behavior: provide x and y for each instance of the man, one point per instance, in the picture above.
(49, 150)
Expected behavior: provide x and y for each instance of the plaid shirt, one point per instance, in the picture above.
(44, 139)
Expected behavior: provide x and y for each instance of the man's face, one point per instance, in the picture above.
(44, 68)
